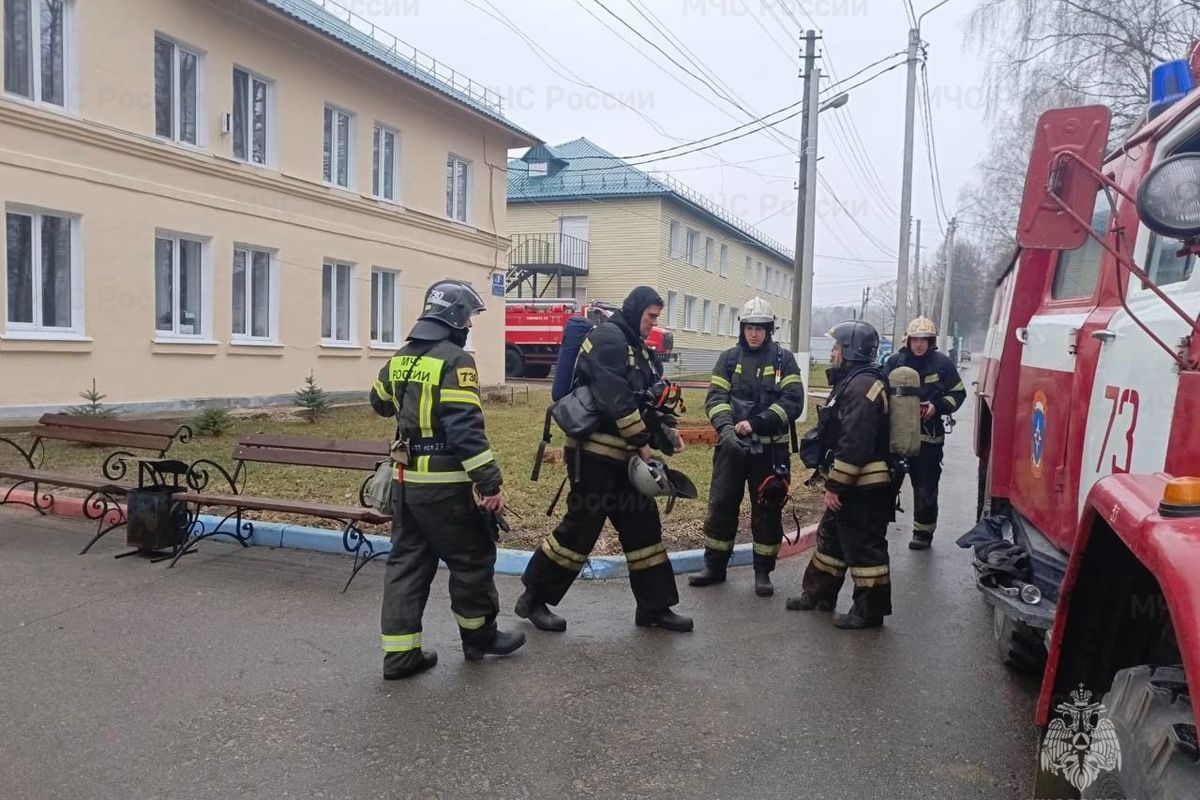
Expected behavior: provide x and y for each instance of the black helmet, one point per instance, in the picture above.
(859, 340)
(449, 306)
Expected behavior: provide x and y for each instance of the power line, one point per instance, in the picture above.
(833, 86)
(935, 179)
(912, 15)
(869, 236)
(790, 56)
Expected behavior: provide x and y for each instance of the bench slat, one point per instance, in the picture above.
(136, 441)
(62, 479)
(373, 447)
(148, 427)
(282, 506)
(309, 458)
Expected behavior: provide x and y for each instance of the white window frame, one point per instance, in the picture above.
(748, 276)
(377, 307)
(710, 253)
(676, 246)
(35, 329)
(538, 169)
(70, 59)
(694, 249)
(272, 296)
(269, 135)
(707, 317)
(724, 260)
(177, 49)
(690, 307)
(351, 304)
(759, 275)
(721, 311)
(672, 309)
(378, 188)
(333, 177)
(205, 312)
(452, 196)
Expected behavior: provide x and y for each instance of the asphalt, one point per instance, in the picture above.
(246, 673)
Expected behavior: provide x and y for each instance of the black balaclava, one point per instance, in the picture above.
(459, 337)
(634, 307)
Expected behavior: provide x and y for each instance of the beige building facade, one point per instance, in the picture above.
(643, 229)
(205, 201)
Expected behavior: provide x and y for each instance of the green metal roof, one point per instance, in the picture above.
(592, 173)
(344, 26)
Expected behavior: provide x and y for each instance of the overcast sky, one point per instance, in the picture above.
(752, 46)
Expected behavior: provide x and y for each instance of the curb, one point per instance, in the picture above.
(508, 561)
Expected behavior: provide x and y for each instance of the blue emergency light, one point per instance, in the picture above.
(1169, 83)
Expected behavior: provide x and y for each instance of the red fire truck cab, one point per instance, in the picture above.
(1088, 437)
(533, 332)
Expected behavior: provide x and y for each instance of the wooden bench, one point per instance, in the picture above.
(342, 454)
(103, 501)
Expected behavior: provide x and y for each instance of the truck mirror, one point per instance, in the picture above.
(1168, 200)
(1057, 180)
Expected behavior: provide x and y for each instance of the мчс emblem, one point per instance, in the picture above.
(1081, 743)
(1038, 430)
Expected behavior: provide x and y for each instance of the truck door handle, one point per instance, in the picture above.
(1104, 335)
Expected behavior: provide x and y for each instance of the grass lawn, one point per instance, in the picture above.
(514, 430)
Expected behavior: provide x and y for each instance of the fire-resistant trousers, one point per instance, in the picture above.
(600, 490)
(925, 472)
(423, 532)
(733, 469)
(855, 540)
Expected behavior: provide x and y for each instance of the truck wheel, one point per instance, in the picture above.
(1151, 710)
(514, 363)
(1021, 647)
(537, 370)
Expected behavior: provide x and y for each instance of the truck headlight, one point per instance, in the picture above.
(1168, 200)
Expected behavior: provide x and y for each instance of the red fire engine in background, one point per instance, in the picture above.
(533, 332)
(1088, 436)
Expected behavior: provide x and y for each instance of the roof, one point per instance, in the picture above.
(590, 172)
(340, 24)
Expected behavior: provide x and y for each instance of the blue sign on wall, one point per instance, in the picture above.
(498, 284)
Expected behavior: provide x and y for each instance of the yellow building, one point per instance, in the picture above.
(588, 226)
(209, 200)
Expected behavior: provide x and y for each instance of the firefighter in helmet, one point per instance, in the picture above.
(447, 482)
(754, 397)
(605, 485)
(941, 393)
(849, 448)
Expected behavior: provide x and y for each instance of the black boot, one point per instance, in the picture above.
(853, 622)
(707, 576)
(762, 583)
(666, 619)
(806, 602)
(921, 540)
(530, 608)
(426, 659)
(501, 645)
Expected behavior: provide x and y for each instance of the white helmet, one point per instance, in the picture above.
(654, 479)
(757, 312)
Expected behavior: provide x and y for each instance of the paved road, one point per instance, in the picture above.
(246, 673)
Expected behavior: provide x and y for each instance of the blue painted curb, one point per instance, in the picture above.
(508, 562)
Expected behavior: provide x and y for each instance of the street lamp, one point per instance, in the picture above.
(837, 101)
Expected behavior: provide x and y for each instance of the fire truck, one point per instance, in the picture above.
(533, 332)
(1088, 437)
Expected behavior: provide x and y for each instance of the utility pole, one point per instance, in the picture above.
(917, 267)
(806, 213)
(914, 48)
(865, 302)
(944, 325)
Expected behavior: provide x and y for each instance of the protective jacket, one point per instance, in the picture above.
(940, 385)
(433, 390)
(854, 430)
(761, 386)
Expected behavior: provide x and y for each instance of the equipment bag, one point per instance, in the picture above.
(904, 417)
(574, 332)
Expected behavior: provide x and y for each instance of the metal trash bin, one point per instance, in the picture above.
(157, 521)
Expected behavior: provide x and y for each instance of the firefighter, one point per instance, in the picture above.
(614, 362)
(852, 453)
(754, 397)
(941, 393)
(444, 462)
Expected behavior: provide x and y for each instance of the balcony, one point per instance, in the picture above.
(554, 254)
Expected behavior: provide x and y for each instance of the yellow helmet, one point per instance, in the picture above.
(921, 327)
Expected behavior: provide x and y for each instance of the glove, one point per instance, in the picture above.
(729, 438)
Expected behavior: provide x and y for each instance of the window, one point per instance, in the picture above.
(457, 186)
(538, 169)
(770, 283)
(43, 281)
(676, 241)
(251, 122)
(724, 261)
(337, 147)
(176, 91)
(672, 309)
(1165, 265)
(383, 171)
(385, 306)
(1077, 270)
(708, 318)
(760, 280)
(337, 303)
(720, 319)
(695, 255)
(748, 276)
(710, 253)
(36, 35)
(689, 313)
(179, 286)
(254, 291)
